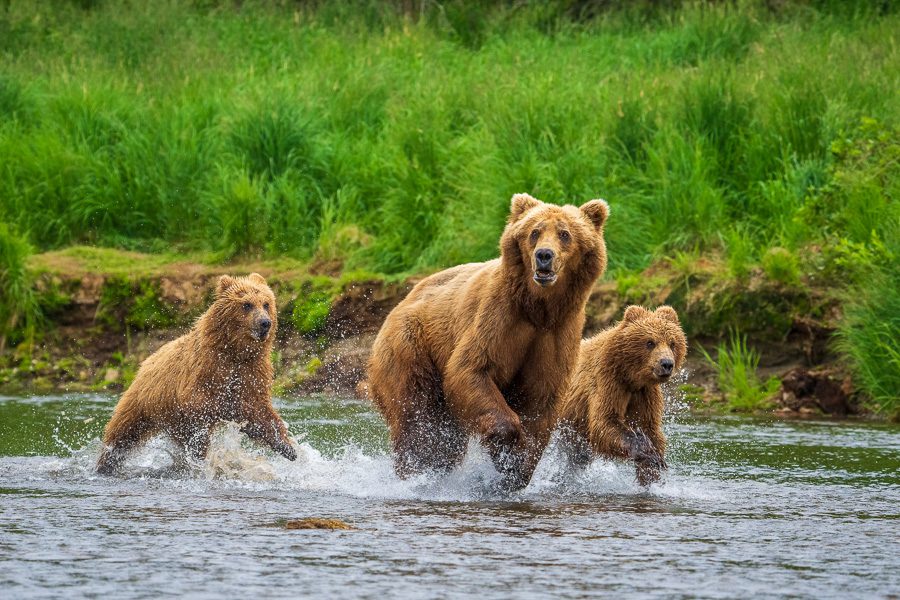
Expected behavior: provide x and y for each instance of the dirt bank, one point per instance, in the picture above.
(106, 311)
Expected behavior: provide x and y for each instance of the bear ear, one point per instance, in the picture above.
(597, 211)
(520, 204)
(225, 282)
(257, 278)
(634, 312)
(668, 313)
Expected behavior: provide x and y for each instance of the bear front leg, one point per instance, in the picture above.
(474, 400)
(609, 436)
(647, 420)
(265, 426)
(574, 446)
(502, 434)
(648, 462)
(537, 436)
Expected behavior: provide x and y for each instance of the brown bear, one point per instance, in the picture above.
(487, 348)
(221, 370)
(614, 404)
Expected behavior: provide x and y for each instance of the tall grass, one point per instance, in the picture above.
(863, 195)
(196, 125)
(869, 335)
(18, 307)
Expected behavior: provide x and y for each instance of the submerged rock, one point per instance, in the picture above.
(313, 523)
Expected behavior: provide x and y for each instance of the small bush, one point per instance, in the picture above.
(134, 304)
(274, 139)
(242, 212)
(736, 365)
(13, 101)
(781, 265)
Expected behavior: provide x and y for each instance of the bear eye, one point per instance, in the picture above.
(248, 306)
(534, 235)
(565, 236)
(266, 307)
(651, 344)
(672, 344)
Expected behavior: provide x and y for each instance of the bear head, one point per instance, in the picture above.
(245, 310)
(648, 346)
(555, 245)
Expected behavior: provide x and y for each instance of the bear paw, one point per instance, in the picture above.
(287, 451)
(500, 432)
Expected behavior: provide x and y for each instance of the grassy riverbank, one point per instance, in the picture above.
(762, 139)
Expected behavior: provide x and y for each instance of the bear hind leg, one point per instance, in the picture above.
(424, 435)
(122, 434)
(429, 440)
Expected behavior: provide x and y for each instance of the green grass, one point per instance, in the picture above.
(781, 265)
(258, 131)
(357, 135)
(736, 364)
(869, 335)
(865, 251)
(19, 310)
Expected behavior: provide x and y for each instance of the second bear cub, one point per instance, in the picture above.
(221, 370)
(614, 405)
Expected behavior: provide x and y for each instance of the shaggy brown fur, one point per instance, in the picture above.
(219, 371)
(614, 405)
(487, 348)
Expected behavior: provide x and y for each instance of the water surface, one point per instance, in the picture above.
(750, 508)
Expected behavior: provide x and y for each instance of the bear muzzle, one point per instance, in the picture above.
(260, 329)
(544, 274)
(664, 368)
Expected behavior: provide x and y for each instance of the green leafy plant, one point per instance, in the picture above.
(136, 304)
(740, 250)
(242, 211)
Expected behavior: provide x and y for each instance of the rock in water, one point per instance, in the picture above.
(317, 524)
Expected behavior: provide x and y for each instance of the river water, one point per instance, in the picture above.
(749, 508)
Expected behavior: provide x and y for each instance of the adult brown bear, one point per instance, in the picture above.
(487, 348)
(221, 370)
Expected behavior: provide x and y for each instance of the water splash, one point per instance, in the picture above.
(356, 472)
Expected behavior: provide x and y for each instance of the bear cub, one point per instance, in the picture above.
(221, 370)
(614, 404)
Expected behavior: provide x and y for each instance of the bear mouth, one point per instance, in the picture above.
(662, 376)
(544, 278)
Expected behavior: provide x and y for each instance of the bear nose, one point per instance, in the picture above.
(544, 259)
(264, 325)
(666, 365)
